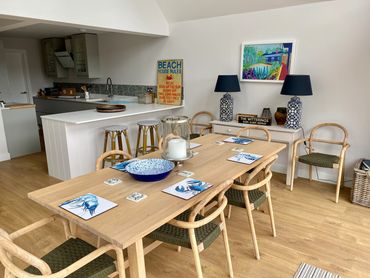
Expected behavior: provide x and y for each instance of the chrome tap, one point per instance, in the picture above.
(109, 87)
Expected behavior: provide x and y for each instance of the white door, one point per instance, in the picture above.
(19, 88)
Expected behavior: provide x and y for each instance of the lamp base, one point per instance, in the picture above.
(294, 113)
(226, 108)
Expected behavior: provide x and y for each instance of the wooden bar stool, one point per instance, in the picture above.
(113, 134)
(147, 127)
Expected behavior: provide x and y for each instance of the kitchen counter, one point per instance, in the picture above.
(74, 140)
(18, 105)
(89, 116)
(54, 105)
(94, 98)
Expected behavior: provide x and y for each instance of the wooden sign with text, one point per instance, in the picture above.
(169, 81)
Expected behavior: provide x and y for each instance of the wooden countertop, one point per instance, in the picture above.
(19, 105)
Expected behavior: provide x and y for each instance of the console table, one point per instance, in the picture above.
(278, 134)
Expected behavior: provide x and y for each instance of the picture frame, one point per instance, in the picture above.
(267, 61)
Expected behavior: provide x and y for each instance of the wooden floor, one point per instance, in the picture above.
(311, 228)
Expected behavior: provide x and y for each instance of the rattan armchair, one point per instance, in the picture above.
(122, 154)
(248, 129)
(193, 230)
(322, 159)
(198, 128)
(74, 258)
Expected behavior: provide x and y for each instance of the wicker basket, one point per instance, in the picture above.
(360, 193)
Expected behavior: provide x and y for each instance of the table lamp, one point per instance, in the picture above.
(295, 85)
(227, 84)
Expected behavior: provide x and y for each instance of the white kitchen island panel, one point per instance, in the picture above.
(73, 141)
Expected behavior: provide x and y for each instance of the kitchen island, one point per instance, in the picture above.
(74, 140)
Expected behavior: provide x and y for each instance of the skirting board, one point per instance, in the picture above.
(303, 173)
(4, 156)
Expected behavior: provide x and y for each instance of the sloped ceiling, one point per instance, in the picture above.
(183, 10)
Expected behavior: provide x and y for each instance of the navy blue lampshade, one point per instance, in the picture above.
(227, 83)
(297, 85)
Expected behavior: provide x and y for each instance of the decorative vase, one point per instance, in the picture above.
(280, 115)
(226, 108)
(294, 113)
(266, 113)
(176, 136)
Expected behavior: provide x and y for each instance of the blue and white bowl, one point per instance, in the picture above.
(152, 169)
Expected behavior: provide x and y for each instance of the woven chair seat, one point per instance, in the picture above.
(205, 234)
(71, 251)
(319, 159)
(148, 122)
(116, 128)
(235, 197)
(194, 135)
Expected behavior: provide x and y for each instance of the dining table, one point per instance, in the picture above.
(129, 222)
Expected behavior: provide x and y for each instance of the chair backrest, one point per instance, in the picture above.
(99, 161)
(9, 249)
(221, 200)
(341, 129)
(265, 169)
(258, 128)
(194, 122)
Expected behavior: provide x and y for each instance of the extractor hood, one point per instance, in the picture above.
(65, 59)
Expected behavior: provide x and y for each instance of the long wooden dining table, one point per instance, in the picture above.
(127, 224)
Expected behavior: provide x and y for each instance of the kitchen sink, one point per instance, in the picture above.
(95, 99)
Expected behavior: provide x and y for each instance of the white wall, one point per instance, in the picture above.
(136, 16)
(333, 45)
(35, 66)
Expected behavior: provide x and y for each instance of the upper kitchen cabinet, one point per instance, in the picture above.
(51, 64)
(86, 55)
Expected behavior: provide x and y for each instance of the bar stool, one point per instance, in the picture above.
(114, 135)
(146, 126)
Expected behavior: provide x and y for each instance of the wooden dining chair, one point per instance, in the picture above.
(245, 132)
(248, 129)
(319, 159)
(199, 128)
(99, 162)
(251, 196)
(192, 230)
(74, 258)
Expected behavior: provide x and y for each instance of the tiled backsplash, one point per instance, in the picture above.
(125, 90)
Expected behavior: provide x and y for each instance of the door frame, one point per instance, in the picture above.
(23, 53)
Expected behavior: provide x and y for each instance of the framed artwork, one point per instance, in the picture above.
(169, 81)
(267, 61)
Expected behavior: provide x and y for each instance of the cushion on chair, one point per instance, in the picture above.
(319, 159)
(235, 197)
(205, 234)
(194, 135)
(71, 251)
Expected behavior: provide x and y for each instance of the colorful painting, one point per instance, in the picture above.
(266, 61)
(169, 81)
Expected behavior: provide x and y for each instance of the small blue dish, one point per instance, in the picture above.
(152, 169)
